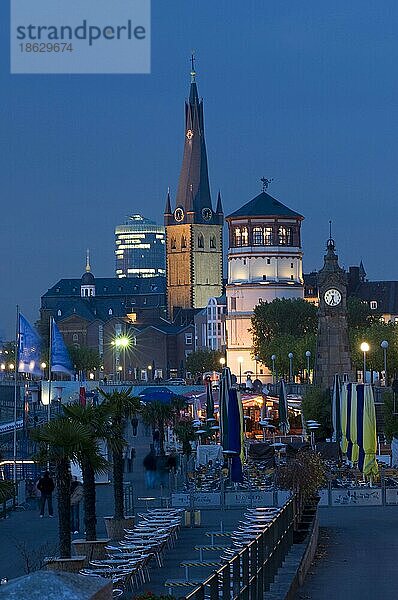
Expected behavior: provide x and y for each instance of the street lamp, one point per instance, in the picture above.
(384, 345)
(43, 366)
(308, 356)
(150, 371)
(222, 362)
(364, 348)
(290, 357)
(240, 361)
(273, 358)
(122, 342)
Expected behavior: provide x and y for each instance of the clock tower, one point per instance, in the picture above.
(333, 349)
(193, 228)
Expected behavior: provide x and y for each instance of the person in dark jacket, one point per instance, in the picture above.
(46, 486)
(76, 494)
(149, 463)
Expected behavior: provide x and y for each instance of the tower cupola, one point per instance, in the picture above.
(87, 287)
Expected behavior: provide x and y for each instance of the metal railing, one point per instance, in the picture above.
(249, 574)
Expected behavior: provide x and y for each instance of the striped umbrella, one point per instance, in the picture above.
(336, 409)
(345, 406)
(225, 386)
(352, 447)
(284, 425)
(209, 400)
(367, 437)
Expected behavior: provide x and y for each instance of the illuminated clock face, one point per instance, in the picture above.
(189, 134)
(178, 214)
(207, 214)
(332, 297)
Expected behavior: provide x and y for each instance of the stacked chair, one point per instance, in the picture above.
(128, 562)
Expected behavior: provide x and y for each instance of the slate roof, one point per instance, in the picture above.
(110, 286)
(264, 205)
(385, 293)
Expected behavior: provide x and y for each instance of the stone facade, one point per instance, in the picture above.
(333, 348)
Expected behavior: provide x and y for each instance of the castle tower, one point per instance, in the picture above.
(193, 228)
(333, 349)
(264, 263)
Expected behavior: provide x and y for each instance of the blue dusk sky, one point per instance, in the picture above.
(304, 92)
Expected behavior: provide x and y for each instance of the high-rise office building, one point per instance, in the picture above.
(140, 248)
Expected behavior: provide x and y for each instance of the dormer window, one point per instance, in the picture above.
(59, 313)
(373, 305)
(110, 312)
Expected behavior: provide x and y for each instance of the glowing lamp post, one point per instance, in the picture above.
(290, 357)
(273, 358)
(222, 362)
(308, 356)
(240, 361)
(384, 346)
(364, 348)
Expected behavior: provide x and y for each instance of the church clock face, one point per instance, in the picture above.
(332, 297)
(178, 214)
(207, 214)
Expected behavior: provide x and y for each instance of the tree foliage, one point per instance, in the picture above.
(84, 359)
(316, 406)
(374, 334)
(359, 315)
(390, 411)
(283, 326)
(201, 361)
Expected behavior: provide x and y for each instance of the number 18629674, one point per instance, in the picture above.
(46, 47)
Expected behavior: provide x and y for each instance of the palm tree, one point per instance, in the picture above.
(96, 420)
(7, 490)
(158, 415)
(120, 405)
(60, 442)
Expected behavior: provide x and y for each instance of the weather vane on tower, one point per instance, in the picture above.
(266, 183)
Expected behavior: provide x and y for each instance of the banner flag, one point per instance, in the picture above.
(28, 348)
(60, 360)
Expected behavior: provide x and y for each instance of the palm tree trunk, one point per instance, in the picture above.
(63, 488)
(117, 456)
(90, 518)
(161, 437)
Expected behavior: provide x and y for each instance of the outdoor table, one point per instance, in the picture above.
(147, 499)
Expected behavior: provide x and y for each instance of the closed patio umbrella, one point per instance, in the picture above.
(284, 425)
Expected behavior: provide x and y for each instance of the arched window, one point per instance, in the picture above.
(213, 241)
(268, 236)
(258, 236)
(183, 242)
(173, 243)
(110, 312)
(201, 241)
(75, 337)
(238, 236)
(245, 236)
(59, 313)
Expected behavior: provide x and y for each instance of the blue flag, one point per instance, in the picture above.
(28, 348)
(60, 360)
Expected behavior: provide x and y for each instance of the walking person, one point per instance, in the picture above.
(46, 486)
(131, 459)
(76, 494)
(149, 463)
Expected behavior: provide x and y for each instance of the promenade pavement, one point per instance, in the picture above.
(357, 555)
(24, 535)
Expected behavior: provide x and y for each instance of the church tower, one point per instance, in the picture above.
(193, 228)
(333, 349)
